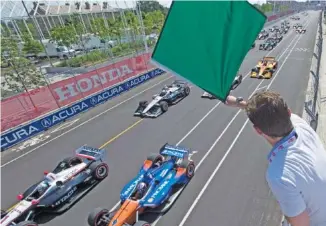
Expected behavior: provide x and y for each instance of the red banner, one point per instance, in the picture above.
(27, 106)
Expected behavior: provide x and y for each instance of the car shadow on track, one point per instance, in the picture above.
(44, 218)
(152, 217)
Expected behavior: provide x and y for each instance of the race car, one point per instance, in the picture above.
(159, 182)
(170, 95)
(277, 37)
(295, 18)
(59, 189)
(265, 68)
(295, 26)
(300, 30)
(269, 44)
(284, 30)
(272, 29)
(263, 35)
(236, 82)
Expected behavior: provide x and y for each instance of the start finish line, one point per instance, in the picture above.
(20, 134)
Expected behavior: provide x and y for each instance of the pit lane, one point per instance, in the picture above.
(126, 153)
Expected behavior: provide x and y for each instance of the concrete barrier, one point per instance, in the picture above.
(321, 100)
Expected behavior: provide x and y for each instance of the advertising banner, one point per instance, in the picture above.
(20, 134)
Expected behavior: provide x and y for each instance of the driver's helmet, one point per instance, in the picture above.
(163, 93)
(42, 187)
(141, 189)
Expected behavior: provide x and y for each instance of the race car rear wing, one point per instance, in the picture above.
(174, 151)
(269, 58)
(90, 153)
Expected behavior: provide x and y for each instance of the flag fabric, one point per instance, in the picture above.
(205, 42)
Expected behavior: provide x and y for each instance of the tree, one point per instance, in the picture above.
(154, 21)
(31, 46)
(150, 6)
(21, 74)
(115, 28)
(132, 23)
(99, 28)
(64, 35)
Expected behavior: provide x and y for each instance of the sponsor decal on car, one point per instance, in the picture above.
(67, 196)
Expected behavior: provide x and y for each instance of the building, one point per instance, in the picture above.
(38, 17)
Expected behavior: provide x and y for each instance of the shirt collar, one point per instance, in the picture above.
(282, 144)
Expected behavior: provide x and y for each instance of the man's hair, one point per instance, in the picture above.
(268, 112)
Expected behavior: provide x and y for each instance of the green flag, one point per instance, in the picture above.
(205, 42)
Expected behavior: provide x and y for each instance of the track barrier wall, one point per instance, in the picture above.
(28, 114)
(20, 134)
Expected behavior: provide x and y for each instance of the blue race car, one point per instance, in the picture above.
(157, 185)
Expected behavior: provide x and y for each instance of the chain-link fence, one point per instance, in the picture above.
(54, 53)
(313, 92)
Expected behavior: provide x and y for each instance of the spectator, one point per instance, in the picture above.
(296, 173)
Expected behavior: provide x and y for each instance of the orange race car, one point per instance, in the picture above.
(155, 188)
(265, 68)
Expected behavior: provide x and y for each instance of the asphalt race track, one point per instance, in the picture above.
(229, 186)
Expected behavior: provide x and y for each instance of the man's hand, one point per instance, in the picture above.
(232, 101)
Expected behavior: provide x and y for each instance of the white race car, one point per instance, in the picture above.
(236, 82)
(160, 103)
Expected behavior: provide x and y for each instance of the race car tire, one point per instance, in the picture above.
(3, 213)
(95, 216)
(189, 166)
(155, 158)
(186, 91)
(164, 106)
(100, 170)
(27, 223)
(270, 48)
(143, 103)
(141, 223)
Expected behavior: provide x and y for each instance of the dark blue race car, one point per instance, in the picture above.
(157, 185)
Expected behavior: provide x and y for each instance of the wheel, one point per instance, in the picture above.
(3, 213)
(189, 166)
(100, 170)
(141, 223)
(143, 103)
(27, 223)
(155, 158)
(96, 218)
(164, 106)
(186, 91)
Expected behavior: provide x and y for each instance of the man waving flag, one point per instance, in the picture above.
(205, 42)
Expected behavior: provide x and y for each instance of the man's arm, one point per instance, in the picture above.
(290, 201)
(301, 220)
(233, 101)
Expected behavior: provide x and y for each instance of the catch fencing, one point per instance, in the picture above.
(32, 111)
(312, 105)
(29, 105)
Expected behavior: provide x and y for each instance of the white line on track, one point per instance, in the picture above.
(83, 123)
(201, 120)
(232, 144)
